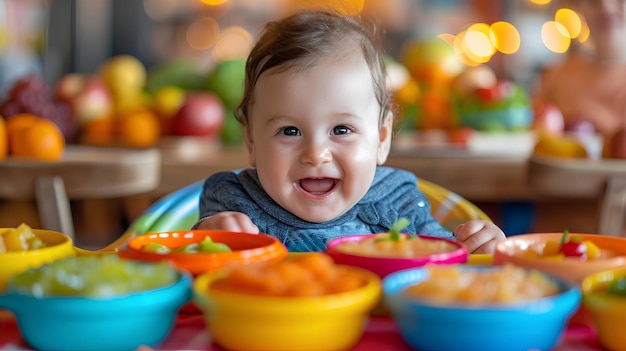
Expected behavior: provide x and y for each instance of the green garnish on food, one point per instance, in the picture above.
(618, 287)
(394, 232)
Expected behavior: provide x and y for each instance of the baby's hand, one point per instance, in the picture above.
(230, 221)
(480, 236)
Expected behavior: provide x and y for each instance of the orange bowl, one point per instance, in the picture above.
(513, 250)
(246, 248)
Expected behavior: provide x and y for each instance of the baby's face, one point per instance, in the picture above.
(314, 136)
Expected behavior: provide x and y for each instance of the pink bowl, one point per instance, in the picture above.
(383, 266)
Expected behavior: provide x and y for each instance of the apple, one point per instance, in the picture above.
(500, 91)
(548, 118)
(579, 125)
(87, 95)
(201, 114)
(615, 146)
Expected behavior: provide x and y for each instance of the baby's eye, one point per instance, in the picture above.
(339, 130)
(290, 131)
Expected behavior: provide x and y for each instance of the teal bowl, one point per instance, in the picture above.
(530, 325)
(114, 324)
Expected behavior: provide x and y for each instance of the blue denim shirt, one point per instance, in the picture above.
(393, 194)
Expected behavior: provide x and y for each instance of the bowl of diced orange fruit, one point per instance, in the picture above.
(304, 302)
(571, 256)
(22, 248)
(472, 307)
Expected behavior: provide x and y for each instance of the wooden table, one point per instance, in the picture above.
(83, 173)
(584, 178)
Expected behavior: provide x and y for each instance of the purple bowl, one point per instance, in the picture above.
(383, 266)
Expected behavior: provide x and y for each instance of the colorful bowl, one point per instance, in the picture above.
(533, 325)
(246, 248)
(607, 310)
(240, 321)
(513, 249)
(79, 323)
(384, 266)
(58, 246)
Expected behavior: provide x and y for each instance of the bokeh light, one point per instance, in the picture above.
(477, 44)
(234, 44)
(570, 20)
(505, 37)
(203, 33)
(214, 2)
(540, 2)
(555, 37)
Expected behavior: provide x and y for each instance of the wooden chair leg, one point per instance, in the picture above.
(53, 205)
(613, 207)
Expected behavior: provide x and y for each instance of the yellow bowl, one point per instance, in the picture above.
(239, 321)
(58, 245)
(607, 310)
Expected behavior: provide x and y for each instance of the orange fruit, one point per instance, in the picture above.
(4, 142)
(99, 132)
(141, 128)
(14, 125)
(35, 138)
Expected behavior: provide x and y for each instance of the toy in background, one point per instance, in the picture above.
(444, 94)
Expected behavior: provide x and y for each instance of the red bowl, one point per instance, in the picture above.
(246, 248)
(383, 266)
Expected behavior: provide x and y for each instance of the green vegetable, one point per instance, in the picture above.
(394, 232)
(156, 248)
(618, 287)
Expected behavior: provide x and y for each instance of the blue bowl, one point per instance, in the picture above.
(80, 323)
(536, 325)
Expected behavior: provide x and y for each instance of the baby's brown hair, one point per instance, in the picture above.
(298, 40)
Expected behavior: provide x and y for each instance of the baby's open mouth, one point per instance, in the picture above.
(318, 186)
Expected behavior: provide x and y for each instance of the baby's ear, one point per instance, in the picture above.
(247, 134)
(385, 135)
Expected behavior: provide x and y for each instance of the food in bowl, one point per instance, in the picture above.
(306, 275)
(604, 295)
(21, 238)
(92, 276)
(527, 250)
(379, 245)
(448, 284)
(310, 312)
(245, 248)
(128, 312)
(568, 247)
(527, 322)
(206, 245)
(362, 251)
(54, 246)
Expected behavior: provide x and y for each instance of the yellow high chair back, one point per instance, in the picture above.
(179, 210)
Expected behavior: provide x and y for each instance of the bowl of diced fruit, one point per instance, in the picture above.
(304, 302)
(604, 295)
(571, 256)
(385, 253)
(96, 303)
(470, 307)
(22, 248)
(200, 251)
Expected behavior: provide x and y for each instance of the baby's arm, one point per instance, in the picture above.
(230, 221)
(480, 236)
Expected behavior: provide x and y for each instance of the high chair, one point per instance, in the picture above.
(179, 211)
